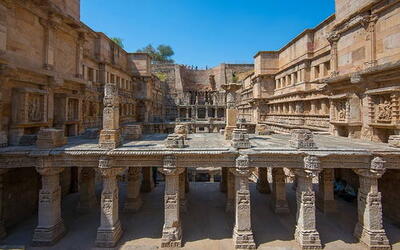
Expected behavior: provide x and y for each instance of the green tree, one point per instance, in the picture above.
(162, 54)
(118, 41)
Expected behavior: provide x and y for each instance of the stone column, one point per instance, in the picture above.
(50, 26)
(230, 192)
(133, 200)
(50, 226)
(325, 196)
(187, 113)
(182, 191)
(109, 231)
(262, 183)
(79, 55)
(306, 233)
(187, 184)
(231, 110)
(242, 232)
(172, 231)
(207, 112)
(2, 226)
(333, 39)
(223, 183)
(147, 181)
(369, 228)
(110, 134)
(279, 202)
(87, 190)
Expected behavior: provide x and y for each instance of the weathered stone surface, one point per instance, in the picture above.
(133, 199)
(175, 141)
(50, 138)
(132, 132)
(240, 139)
(302, 138)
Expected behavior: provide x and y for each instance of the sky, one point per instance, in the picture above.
(206, 32)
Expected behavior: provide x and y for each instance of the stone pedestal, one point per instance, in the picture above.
(147, 181)
(240, 139)
(302, 139)
(242, 232)
(182, 191)
(110, 137)
(325, 196)
(87, 190)
(369, 228)
(306, 233)
(132, 132)
(175, 141)
(133, 200)
(262, 183)
(50, 138)
(223, 183)
(172, 231)
(50, 226)
(279, 202)
(230, 193)
(109, 231)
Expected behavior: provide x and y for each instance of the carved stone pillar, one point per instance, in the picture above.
(279, 202)
(87, 190)
(110, 230)
(133, 200)
(223, 183)
(333, 39)
(172, 234)
(2, 226)
(262, 183)
(325, 196)
(231, 110)
(79, 55)
(182, 191)
(306, 233)
(242, 232)
(187, 183)
(49, 26)
(50, 226)
(110, 137)
(369, 23)
(230, 193)
(147, 181)
(369, 228)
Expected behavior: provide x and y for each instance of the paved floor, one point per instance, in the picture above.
(205, 225)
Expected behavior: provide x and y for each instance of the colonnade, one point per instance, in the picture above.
(235, 182)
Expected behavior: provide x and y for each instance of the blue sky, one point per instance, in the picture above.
(206, 32)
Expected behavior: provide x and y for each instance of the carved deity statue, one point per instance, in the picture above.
(384, 111)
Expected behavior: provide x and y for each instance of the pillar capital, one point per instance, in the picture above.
(242, 166)
(169, 166)
(106, 169)
(44, 168)
(376, 170)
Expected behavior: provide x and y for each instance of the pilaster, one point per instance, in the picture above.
(369, 228)
(306, 233)
(172, 231)
(50, 226)
(110, 230)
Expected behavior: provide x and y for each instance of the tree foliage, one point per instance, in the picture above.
(118, 41)
(162, 54)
